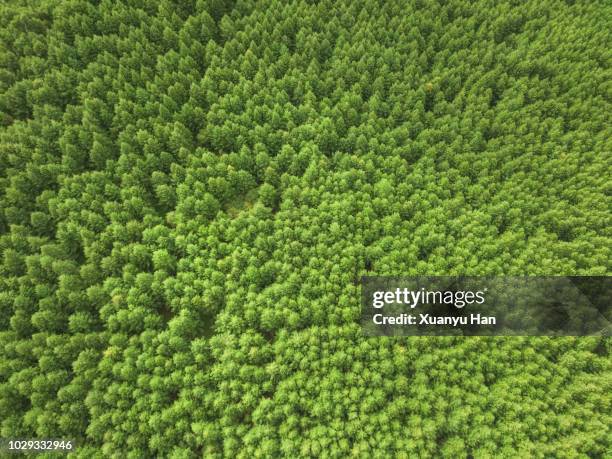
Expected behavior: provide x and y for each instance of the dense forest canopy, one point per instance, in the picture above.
(191, 190)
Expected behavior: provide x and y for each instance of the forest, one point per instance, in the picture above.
(191, 190)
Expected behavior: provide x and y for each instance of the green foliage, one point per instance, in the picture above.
(190, 192)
